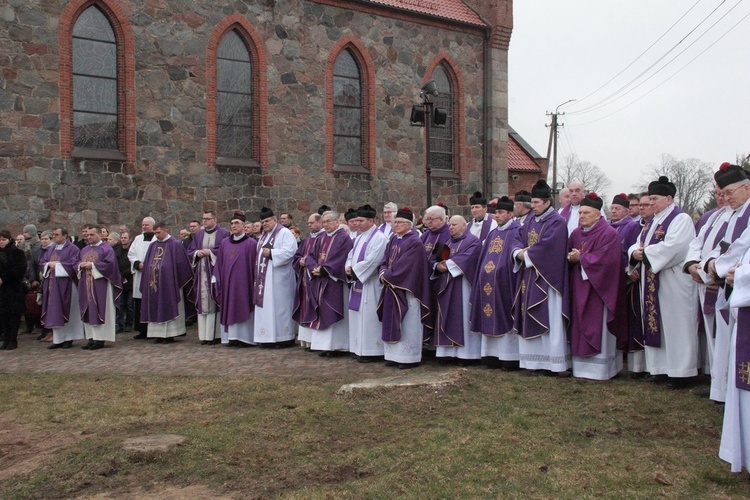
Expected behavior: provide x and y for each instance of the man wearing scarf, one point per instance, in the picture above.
(403, 308)
(455, 275)
(362, 271)
(233, 277)
(541, 307)
(495, 287)
(202, 254)
(669, 297)
(99, 289)
(274, 283)
(597, 272)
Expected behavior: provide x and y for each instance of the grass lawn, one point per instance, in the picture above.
(495, 434)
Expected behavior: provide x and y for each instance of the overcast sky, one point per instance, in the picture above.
(567, 49)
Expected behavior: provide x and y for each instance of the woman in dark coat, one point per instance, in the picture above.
(12, 271)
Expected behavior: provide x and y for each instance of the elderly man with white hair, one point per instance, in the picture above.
(404, 304)
(570, 210)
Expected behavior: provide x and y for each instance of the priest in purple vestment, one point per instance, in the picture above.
(326, 311)
(494, 288)
(435, 239)
(60, 294)
(315, 226)
(541, 307)
(233, 276)
(455, 275)
(166, 280)
(202, 254)
(403, 308)
(99, 289)
(597, 272)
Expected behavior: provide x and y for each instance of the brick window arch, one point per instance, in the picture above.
(350, 109)
(446, 143)
(97, 82)
(236, 91)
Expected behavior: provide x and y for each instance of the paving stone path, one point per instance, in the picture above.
(187, 357)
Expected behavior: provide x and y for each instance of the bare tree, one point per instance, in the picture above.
(743, 160)
(693, 179)
(592, 177)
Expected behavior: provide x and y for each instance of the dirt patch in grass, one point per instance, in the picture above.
(23, 448)
(161, 492)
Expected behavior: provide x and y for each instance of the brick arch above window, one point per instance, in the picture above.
(259, 61)
(446, 62)
(367, 79)
(117, 16)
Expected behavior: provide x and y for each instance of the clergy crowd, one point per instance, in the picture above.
(520, 285)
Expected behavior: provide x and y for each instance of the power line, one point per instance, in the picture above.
(668, 78)
(639, 55)
(614, 95)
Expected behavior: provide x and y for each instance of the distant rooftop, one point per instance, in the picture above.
(454, 10)
(521, 156)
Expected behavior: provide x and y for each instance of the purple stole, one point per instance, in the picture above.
(204, 264)
(486, 226)
(92, 293)
(565, 212)
(652, 322)
(709, 300)
(355, 298)
(260, 273)
(742, 350)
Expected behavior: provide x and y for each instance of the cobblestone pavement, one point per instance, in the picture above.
(187, 357)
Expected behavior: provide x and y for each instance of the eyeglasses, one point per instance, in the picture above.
(400, 222)
(730, 192)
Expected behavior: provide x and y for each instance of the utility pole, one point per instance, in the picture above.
(552, 144)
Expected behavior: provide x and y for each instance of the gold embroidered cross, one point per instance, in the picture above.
(487, 310)
(489, 267)
(487, 288)
(744, 372)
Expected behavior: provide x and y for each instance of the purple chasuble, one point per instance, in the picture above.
(449, 323)
(263, 263)
(325, 297)
(92, 293)
(166, 271)
(601, 259)
(547, 245)
(627, 232)
(204, 267)
(56, 295)
(303, 278)
(496, 284)
(404, 269)
(652, 326)
(234, 272)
